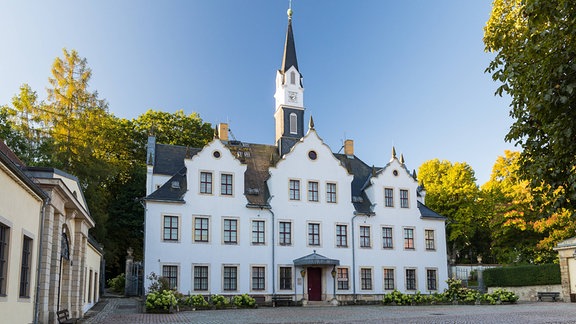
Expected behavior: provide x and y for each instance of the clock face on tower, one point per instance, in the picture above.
(292, 96)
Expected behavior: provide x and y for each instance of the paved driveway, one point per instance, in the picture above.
(125, 311)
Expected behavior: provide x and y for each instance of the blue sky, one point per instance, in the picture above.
(384, 73)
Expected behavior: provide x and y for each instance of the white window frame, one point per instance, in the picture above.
(332, 197)
(293, 123)
(208, 230)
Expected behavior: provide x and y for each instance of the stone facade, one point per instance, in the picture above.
(65, 242)
(567, 255)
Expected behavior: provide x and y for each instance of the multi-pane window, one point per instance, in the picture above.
(331, 192)
(366, 278)
(388, 197)
(201, 229)
(4, 238)
(170, 228)
(285, 278)
(410, 279)
(294, 189)
(409, 238)
(431, 279)
(389, 279)
(403, 198)
(429, 238)
(258, 232)
(201, 278)
(285, 233)
(226, 184)
(312, 191)
(230, 278)
(313, 234)
(206, 182)
(387, 240)
(293, 123)
(258, 278)
(170, 272)
(342, 277)
(341, 235)
(365, 236)
(230, 231)
(25, 268)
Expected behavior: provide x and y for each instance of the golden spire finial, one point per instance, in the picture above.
(289, 12)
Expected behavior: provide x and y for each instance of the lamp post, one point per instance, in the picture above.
(333, 273)
(303, 274)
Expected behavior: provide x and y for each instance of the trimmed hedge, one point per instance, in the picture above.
(527, 275)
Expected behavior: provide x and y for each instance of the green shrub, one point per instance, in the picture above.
(395, 297)
(219, 301)
(527, 275)
(455, 293)
(118, 283)
(504, 295)
(160, 301)
(244, 301)
(197, 301)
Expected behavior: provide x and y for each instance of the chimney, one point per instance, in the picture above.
(223, 131)
(349, 147)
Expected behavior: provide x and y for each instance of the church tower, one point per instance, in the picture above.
(289, 114)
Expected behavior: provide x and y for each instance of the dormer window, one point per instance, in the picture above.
(292, 77)
(293, 123)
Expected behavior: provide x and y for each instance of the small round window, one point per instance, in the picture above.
(312, 155)
(395, 173)
(216, 154)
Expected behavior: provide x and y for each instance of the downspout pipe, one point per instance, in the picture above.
(273, 255)
(353, 259)
(142, 291)
(45, 203)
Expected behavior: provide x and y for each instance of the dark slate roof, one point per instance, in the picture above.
(426, 212)
(315, 259)
(170, 158)
(362, 173)
(289, 57)
(257, 166)
(173, 190)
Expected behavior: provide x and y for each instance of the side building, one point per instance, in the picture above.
(292, 219)
(21, 205)
(48, 262)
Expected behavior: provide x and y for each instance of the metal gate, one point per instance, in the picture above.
(134, 279)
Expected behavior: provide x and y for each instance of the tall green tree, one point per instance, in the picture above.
(174, 128)
(507, 202)
(534, 42)
(29, 139)
(81, 129)
(451, 191)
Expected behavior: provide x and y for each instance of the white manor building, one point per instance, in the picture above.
(292, 219)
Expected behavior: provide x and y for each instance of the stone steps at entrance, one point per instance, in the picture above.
(318, 304)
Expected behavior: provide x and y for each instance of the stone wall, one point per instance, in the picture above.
(529, 293)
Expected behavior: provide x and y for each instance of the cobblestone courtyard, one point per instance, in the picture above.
(127, 311)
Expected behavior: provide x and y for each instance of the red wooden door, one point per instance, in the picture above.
(314, 283)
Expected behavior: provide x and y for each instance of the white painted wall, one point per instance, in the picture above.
(296, 165)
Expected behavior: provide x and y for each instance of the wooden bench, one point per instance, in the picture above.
(63, 317)
(259, 299)
(548, 294)
(286, 300)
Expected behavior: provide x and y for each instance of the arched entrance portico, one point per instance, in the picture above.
(315, 270)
